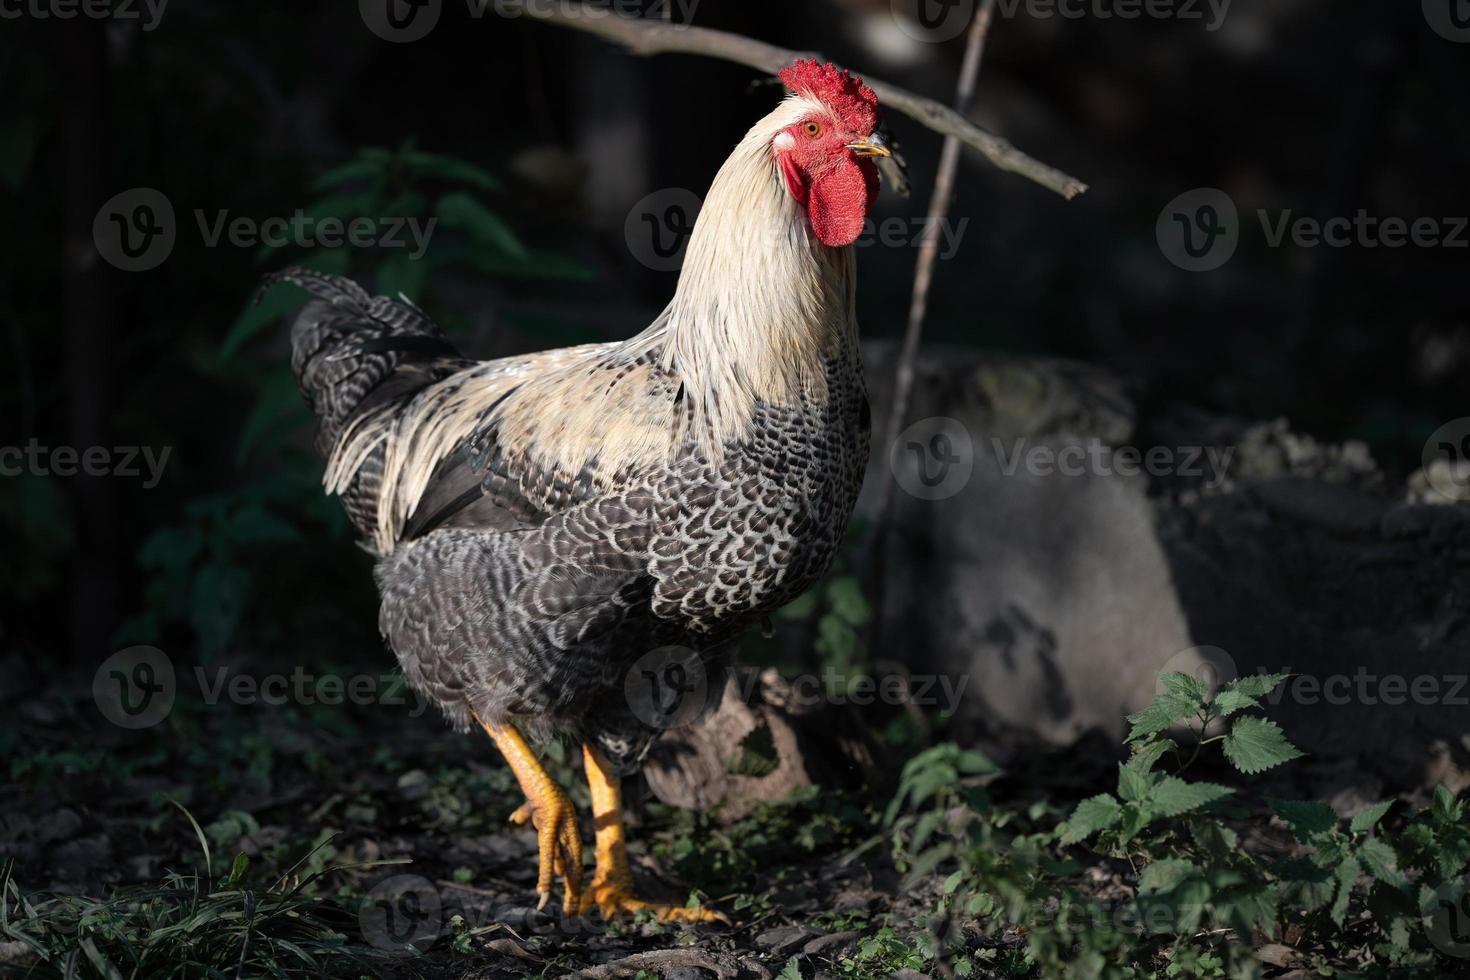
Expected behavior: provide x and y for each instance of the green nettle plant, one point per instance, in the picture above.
(1197, 902)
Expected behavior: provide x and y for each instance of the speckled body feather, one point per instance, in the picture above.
(544, 521)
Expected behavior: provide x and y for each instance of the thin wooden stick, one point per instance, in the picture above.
(646, 37)
(903, 377)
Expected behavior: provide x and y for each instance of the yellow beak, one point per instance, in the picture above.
(870, 146)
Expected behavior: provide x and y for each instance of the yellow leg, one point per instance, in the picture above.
(611, 891)
(552, 813)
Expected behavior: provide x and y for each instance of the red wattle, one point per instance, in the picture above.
(795, 183)
(839, 201)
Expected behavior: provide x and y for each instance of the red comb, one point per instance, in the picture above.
(838, 89)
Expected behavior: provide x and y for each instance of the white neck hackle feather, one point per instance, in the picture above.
(760, 306)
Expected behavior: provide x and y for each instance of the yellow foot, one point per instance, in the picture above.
(615, 898)
(560, 844)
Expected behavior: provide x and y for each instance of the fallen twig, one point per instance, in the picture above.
(651, 37)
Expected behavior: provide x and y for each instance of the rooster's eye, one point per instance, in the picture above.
(811, 127)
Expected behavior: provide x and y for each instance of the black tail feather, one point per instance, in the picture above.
(353, 352)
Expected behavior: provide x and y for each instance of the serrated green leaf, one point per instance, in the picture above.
(1253, 907)
(1134, 786)
(1186, 686)
(1166, 711)
(1308, 821)
(1382, 863)
(1369, 818)
(1255, 745)
(1165, 875)
(1227, 703)
(756, 755)
(1133, 818)
(1098, 813)
(1214, 838)
(1446, 808)
(1255, 685)
(1346, 876)
(1147, 754)
(1305, 884)
(1173, 796)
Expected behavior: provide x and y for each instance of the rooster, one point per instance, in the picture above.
(545, 524)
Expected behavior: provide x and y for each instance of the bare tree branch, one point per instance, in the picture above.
(651, 37)
(903, 378)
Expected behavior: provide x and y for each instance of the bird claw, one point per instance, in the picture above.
(613, 898)
(559, 843)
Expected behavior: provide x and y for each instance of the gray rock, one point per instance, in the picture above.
(1326, 505)
(830, 944)
(785, 940)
